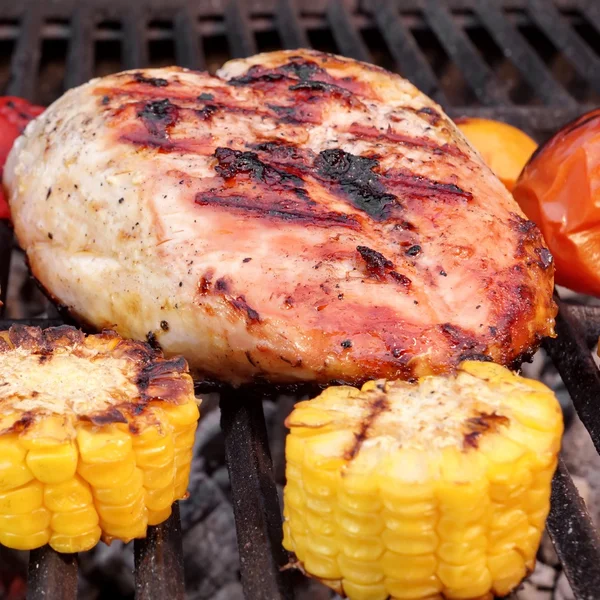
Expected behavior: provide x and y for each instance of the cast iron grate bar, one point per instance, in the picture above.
(288, 23)
(346, 36)
(159, 561)
(574, 536)
(26, 57)
(239, 33)
(577, 368)
(254, 496)
(187, 43)
(581, 56)
(410, 61)
(462, 51)
(515, 48)
(80, 57)
(589, 316)
(591, 11)
(51, 575)
(135, 44)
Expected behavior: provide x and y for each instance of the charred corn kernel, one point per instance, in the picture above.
(108, 443)
(415, 492)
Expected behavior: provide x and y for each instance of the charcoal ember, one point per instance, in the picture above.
(107, 570)
(210, 554)
(232, 591)
(24, 298)
(205, 496)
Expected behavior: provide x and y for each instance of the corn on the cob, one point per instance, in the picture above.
(438, 489)
(96, 436)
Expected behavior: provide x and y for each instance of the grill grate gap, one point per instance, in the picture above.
(161, 47)
(51, 74)
(451, 80)
(504, 70)
(216, 50)
(269, 40)
(108, 48)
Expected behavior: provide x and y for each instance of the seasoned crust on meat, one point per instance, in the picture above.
(300, 216)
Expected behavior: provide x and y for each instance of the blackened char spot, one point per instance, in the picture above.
(432, 116)
(481, 424)
(207, 112)
(303, 69)
(153, 340)
(401, 279)
(278, 150)
(286, 210)
(256, 74)
(234, 162)
(461, 340)
(358, 181)
(221, 285)
(158, 116)
(377, 263)
(206, 97)
(546, 257)
(110, 415)
(153, 81)
(241, 304)
(475, 356)
(319, 86)
(418, 186)
(378, 405)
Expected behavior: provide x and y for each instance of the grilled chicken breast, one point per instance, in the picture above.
(298, 217)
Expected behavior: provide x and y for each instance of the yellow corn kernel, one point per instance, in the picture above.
(125, 532)
(22, 500)
(184, 438)
(358, 591)
(117, 496)
(24, 542)
(109, 445)
(53, 464)
(157, 500)
(75, 543)
(359, 571)
(67, 496)
(124, 513)
(75, 522)
(443, 494)
(158, 516)
(155, 455)
(158, 478)
(106, 475)
(179, 415)
(100, 457)
(15, 476)
(12, 452)
(33, 522)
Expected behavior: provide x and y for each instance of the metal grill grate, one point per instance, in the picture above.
(528, 62)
